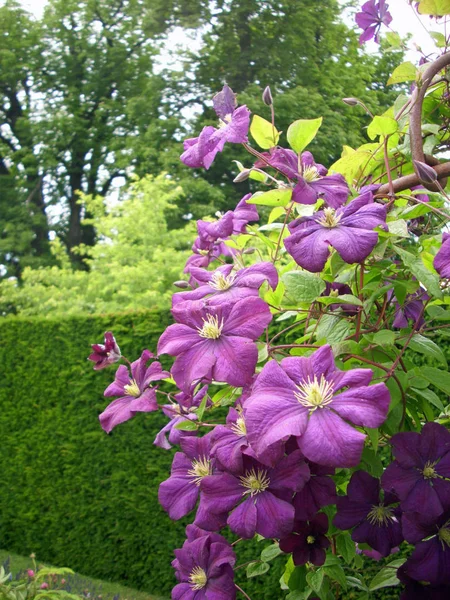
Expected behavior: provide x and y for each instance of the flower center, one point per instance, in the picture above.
(315, 394)
(221, 282)
(329, 218)
(310, 539)
(239, 428)
(428, 471)
(310, 173)
(444, 535)
(224, 121)
(380, 515)
(200, 468)
(198, 578)
(132, 389)
(211, 328)
(255, 481)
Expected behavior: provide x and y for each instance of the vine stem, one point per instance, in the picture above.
(288, 214)
(360, 296)
(242, 591)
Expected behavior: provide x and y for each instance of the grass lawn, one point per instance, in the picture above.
(80, 583)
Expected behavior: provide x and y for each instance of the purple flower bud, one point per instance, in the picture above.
(105, 354)
(267, 96)
(351, 101)
(44, 586)
(183, 285)
(242, 176)
(249, 251)
(30, 573)
(425, 173)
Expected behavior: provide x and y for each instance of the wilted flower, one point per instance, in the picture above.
(302, 397)
(376, 522)
(135, 392)
(105, 354)
(373, 14)
(348, 229)
(442, 259)
(308, 541)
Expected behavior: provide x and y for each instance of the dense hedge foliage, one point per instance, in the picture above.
(70, 493)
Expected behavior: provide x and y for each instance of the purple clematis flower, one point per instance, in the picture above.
(303, 397)
(430, 560)
(348, 229)
(234, 124)
(319, 491)
(312, 182)
(135, 392)
(417, 475)
(372, 16)
(416, 591)
(340, 289)
(225, 284)
(204, 567)
(258, 496)
(375, 522)
(442, 259)
(308, 541)
(233, 222)
(215, 342)
(411, 310)
(105, 354)
(179, 493)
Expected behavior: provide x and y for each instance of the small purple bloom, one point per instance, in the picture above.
(340, 289)
(308, 541)
(376, 522)
(412, 309)
(204, 567)
(348, 229)
(258, 496)
(419, 473)
(233, 127)
(215, 342)
(302, 397)
(105, 354)
(135, 392)
(225, 284)
(372, 16)
(442, 259)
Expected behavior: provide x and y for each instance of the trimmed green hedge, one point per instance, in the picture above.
(70, 493)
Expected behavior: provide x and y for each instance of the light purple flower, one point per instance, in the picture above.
(226, 284)
(373, 14)
(348, 229)
(215, 342)
(303, 397)
(257, 496)
(233, 127)
(105, 354)
(308, 541)
(204, 567)
(312, 183)
(135, 392)
(442, 259)
(376, 521)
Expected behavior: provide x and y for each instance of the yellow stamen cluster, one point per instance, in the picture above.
(224, 121)
(380, 515)
(221, 282)
(211, 329)
(444, 535)
(428, 471)
(329, 218)
(310, 539)
(315, 394)
(198, 578)
(239, 428)
(132, 389)
(200, 468)
(255, 481)
(310, 173)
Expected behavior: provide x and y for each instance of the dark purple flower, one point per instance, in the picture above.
(204, 567)
(233, 127)
(417, 591)
(135, 392)
(105, 354)
(417, 475)
(412, 309)
(179, 493)
(376, 522)
(442, 259)
(312, 182)
(340, 289)
(302, 397)
(308, 541)
(319, 491)
(215, 342)
(430, 560)
(373, 14)
(258, 496)
(225, 284)
(348, 229)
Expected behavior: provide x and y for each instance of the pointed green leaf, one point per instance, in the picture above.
(404, 72)
(303, 286)
(434, 7)
(419, 270)
(263, 132)
(279, 197)
(302, 132)
(382, 126)
(257, 568)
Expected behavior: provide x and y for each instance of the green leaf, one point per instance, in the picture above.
(373, 436)
(356, 583)
(394, 40)
(344, 299)
(382, 126)
(404, 72)
(302, 132)
(424, 345)
(315, 580)
(186, 425)
(333, 329)
(303, 286)
(430, 397)
(257, 568)
(398, 228)
(440, 379)
(434, 7)
(297, 578)
(278, 197)
(336, 573)
(263, 132)
(275, 213)
(385, 337)
(419, 270)
(439, 38)
(385, 578)
(271, 552)
(201, 408)
(346, 547)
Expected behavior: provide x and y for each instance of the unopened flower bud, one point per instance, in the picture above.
(425, 173)
(183, 285)
(267, 96)
(249, 251)
(242, 176)
(351, 101)
(32, 555)
(63, 581)
(30, 573)
(44, 586)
